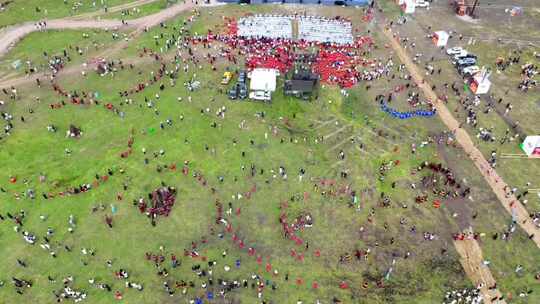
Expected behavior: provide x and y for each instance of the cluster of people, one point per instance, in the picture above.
(20, 284)
(206, 277)
(528, 72)
(461, 236)
(161, 202)
(41, 25)
(70, 293)
(463, 296)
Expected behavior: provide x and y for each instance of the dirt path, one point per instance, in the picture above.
(472, 262)
(327, 136)
(324, 123)
(341, 143)
(497, 184)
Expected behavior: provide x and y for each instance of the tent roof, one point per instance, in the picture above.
(301, 85)
(530, 144)
(533, 138)
(441, 34)
(263, 79)
(478, 79)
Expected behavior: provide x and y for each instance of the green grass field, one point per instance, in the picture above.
(138, 11)
(288, 136)
(30, 52)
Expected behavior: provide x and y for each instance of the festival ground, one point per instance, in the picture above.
(331, 198)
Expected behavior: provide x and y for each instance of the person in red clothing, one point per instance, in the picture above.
(118, 295)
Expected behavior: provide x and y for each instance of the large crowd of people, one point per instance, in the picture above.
(265, 42)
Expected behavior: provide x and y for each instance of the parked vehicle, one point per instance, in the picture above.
(242, 76)
(470, 70)
(464, 56)
(464, 66)
(470, 55)
(460, 55)
(227, 76)
(242, 91)
(455, 50)
(465, 62)
(233, 92)
(422, 4)
(260, 95)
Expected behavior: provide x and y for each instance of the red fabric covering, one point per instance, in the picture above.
(336, 68)
(280, 60)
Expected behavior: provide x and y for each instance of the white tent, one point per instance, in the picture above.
(408, 6)
(531, 146)
(480, 84)
(440, 38)
(263, 80)
(262, 83)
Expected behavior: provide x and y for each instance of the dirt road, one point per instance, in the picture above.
(497, 184)
(473, 264)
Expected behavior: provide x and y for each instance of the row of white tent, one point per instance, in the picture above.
(309, 28)
(325, 30)
(269, 26)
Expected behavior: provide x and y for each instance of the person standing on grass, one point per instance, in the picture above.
(109, 221)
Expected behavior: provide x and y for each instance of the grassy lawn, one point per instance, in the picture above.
(31, 49)
(138, 11)
(390, 8)
(287, 136)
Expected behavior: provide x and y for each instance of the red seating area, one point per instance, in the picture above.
(281, 59)
(336, 67)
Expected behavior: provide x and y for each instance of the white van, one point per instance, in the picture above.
(260, 95)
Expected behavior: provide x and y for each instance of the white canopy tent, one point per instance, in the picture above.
(262, 83)
(480, 84)
(531, 146)
(408, 6)
(263, 79)
(440, 38)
